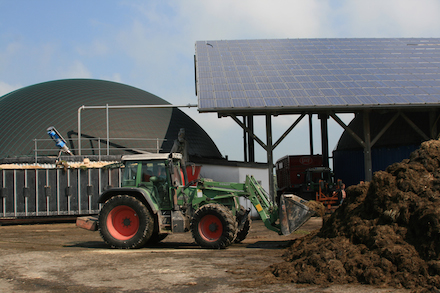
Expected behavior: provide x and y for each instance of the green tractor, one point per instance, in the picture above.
(156, 200)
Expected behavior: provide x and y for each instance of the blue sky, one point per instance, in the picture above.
(150, 45)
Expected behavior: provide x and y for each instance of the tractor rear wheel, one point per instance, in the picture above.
(213, 226)
(125, 222)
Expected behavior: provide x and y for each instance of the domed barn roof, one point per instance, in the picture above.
(25, 114)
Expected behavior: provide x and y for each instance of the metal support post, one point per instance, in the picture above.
(311, 133)
(270, 156)
(251, 141)
(367, 148)
(324, 139)
(245, 143)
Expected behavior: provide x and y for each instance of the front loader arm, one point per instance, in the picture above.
(260, 200)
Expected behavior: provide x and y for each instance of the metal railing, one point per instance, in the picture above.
(107, 107)
(45, 147)
(115, 147)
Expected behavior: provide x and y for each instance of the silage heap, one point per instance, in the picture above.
(387, 232)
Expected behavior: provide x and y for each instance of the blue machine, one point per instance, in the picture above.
(59, 140)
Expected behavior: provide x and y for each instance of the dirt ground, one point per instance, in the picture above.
(386, 232)
(64, 258)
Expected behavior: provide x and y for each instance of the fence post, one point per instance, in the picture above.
(35, 150)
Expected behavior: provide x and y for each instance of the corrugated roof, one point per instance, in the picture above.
(25, 114)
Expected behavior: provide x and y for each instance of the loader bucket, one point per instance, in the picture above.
(293, 214)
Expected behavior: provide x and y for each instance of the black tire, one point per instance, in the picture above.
(214, 226)
(244, 231)
(125, 222)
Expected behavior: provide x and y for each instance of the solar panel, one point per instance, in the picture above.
(240, 103)
(256, 102)
(302, 74)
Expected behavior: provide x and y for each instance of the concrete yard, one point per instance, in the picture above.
(63, 258)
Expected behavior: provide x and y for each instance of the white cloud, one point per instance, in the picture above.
(13, 47)
(247, 19)
(391, 18)
(116, 77)
(6, 88)
(96, 48)
(76, 70)
(139, 43)
(45, 54)
(7, 54)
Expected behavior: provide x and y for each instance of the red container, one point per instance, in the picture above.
(193, 172)
(290, 170)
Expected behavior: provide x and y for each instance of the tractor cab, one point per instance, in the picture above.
(321, 182)
(158, 173)
(315, 175)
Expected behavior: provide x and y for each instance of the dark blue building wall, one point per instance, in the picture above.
(348, 165)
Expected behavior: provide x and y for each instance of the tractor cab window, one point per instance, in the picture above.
(153, 168)
(130, 171)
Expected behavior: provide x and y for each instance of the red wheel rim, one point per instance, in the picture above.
(122, 222)
(210, 228)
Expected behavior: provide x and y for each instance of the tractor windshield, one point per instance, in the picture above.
(149, 171)
(153, 168)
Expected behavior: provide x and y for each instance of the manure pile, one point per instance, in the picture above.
(387, 231)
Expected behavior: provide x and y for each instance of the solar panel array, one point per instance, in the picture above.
(300, 74)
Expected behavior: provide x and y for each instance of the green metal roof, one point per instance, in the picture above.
(25, 114)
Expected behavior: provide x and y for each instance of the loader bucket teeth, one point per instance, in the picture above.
(293, 214)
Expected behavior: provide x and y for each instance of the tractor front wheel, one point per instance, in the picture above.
(213, 226)
(125, 222)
